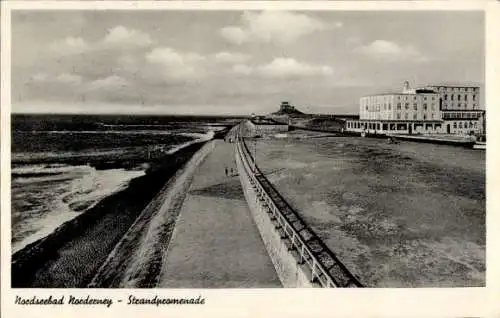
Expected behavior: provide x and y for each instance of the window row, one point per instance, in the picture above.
(415, 116)
(459, 97)
(461, 89)
(415, 106)
(465, 124)
(458, 105)
(473, 115)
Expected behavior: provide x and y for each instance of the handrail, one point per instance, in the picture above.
(318, 268)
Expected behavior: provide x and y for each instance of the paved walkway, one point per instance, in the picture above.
(216, 243)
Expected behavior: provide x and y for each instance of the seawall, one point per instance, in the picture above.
(136, 260)
(290, 273)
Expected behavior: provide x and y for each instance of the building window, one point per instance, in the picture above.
(445, 96)
(398, 115)
(414, 116)
(451, 97)
(425, 106)
(465, 125)
(455, 124)
(366, 107)
(389, 106)
(399, 106)
(415, 106)
(458, 97)
(432, 115)
(475, 125)
(465, 97)
(433, 98)
(432, 106)
(425, 97)
(407, 105)
(474, 97)
(460, 125)
(425, 116)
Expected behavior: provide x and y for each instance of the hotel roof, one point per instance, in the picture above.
(419, 91)
(452, 85)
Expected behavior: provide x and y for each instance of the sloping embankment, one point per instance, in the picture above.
(137, 259)
(71, 255)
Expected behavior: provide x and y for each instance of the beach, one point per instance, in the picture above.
(398, 215)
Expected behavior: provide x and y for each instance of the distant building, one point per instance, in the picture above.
(460, 109)
(261, 126)
(431, 109)
(409, 111)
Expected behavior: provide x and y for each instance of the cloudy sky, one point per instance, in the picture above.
(233, 62)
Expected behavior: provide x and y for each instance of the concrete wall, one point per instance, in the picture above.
(290, 273)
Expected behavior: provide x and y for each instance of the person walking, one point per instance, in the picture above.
(226, 170)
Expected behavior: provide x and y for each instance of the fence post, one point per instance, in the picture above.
(313, 271)
(301, 260)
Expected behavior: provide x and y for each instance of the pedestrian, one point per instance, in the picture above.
(225, 169)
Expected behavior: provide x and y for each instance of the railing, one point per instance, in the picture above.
(326, 269)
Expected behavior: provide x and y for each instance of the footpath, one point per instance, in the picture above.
(215, 243)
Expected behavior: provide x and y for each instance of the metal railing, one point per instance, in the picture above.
(326, 269)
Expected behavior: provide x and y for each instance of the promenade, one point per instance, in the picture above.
(215, 243)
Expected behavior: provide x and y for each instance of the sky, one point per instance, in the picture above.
(234, 62)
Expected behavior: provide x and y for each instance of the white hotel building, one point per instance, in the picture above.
(431, 110)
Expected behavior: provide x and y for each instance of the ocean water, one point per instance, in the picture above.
(54, 158)
(46, 196)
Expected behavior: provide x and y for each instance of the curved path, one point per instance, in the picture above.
(215, 243)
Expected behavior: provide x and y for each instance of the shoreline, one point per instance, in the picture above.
(70, 256)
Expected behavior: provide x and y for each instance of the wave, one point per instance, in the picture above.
(37, 210)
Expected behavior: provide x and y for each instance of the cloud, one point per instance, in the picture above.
(283, 68)
(39, 77)
(388, 50)
(69, 78)
(108, 83)
(231, 57)
(64, 78)
(69, 46)
(289, 67)
(122, 36)
(274, 26)
(242, 69)
(234, 34)
(118, 37)
(176, 65)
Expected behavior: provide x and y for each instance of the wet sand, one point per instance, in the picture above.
(405, 215)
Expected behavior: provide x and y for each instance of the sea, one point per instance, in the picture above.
(63, 165)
